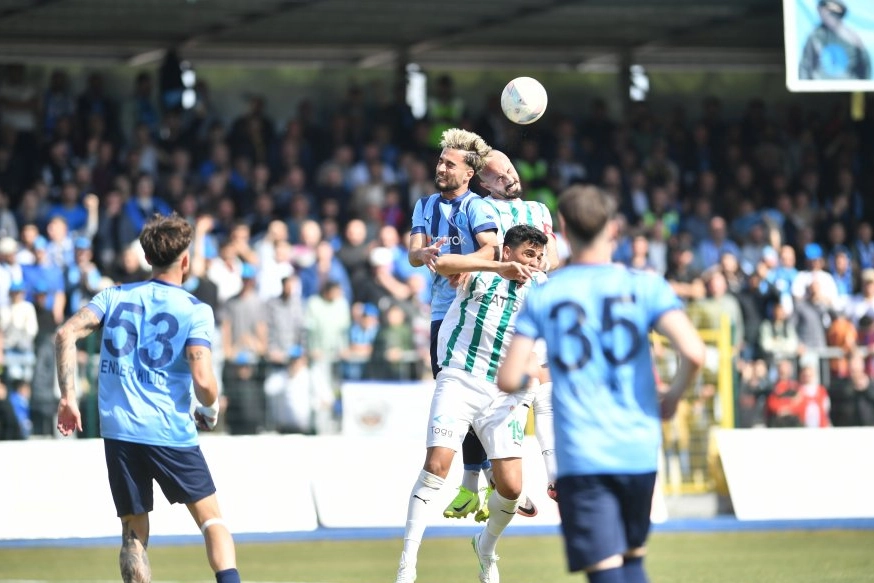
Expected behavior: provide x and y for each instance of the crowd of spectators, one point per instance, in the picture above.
(301, 225)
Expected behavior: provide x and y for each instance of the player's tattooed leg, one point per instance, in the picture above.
(133, 560)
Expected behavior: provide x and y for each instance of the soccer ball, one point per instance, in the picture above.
(523, 100)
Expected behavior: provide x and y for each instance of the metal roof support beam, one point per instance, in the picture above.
(765, 8)
(245, 19)
(446, 36)
(35, 4)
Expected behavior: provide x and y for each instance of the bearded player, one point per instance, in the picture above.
(500, 178)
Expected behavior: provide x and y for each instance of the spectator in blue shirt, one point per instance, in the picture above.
(144, 204)
(325, 268)
(362, 334)
(863, 248)
(841, 268)
(718, 243)
(19, 398)
(44, 277)
(69, 207)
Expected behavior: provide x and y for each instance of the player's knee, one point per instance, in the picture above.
(437, 467)
(635, 553)
(513, 493)
(438, 463)
(509, 489)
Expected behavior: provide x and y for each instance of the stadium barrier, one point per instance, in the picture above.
(798, 473)
(57, 488)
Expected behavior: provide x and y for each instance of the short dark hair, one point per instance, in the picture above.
(836, 7)
(164, 239)
(586, 211)
(525, 234)
(328, 286)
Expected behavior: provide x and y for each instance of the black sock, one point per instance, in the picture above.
(633, 571)
(607, 576)
(228, 576)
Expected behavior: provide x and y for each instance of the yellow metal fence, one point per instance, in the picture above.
(690, 460)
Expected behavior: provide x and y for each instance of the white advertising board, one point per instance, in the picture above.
(366, 482)
(791, 474)
(58, 488)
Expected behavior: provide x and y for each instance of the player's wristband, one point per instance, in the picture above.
(212, 410)
(209, 413)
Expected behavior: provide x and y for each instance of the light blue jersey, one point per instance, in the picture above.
(144, 378)
(459, 220)
(596, 321)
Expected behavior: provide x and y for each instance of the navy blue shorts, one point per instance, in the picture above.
(435, 332)
(181, 472)
(603, 515)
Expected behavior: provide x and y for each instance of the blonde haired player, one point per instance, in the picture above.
(453, 220)
(499, 177)
(456, 221)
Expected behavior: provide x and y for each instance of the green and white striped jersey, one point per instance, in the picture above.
(515, 211)
(480, 322)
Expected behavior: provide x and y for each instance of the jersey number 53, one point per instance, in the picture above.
(122, 328)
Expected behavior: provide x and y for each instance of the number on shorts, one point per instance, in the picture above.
(516, 430)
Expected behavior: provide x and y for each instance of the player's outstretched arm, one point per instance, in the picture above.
(79, 326)
(205, 386)
(684, 338)
(452, 264)
(519, 366)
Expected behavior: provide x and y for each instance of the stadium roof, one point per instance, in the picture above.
(560, 34)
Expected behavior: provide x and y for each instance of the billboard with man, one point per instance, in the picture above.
(828, 44)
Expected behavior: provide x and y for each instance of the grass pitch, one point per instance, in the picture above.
(723, 557)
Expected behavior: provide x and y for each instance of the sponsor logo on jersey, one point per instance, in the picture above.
(447, 240)
(499, 301)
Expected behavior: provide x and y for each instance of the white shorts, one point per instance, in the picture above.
(462, 400)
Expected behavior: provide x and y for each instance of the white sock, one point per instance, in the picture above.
(551, 466)
(470, 478)
(420, 507)
(501, 512)
(489, 474)
(543, 429)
